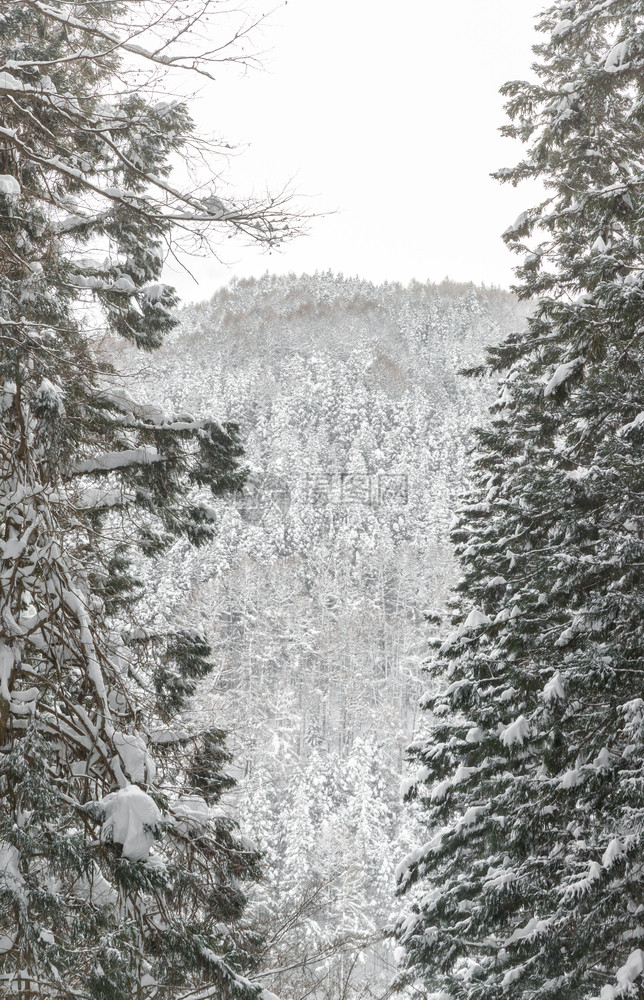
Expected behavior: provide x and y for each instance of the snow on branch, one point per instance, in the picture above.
(561, 374)
(131, 818)
(145, 455)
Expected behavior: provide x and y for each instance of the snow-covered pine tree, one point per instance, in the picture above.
(531, 883)
(119, 875)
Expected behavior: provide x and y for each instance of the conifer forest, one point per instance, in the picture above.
(321, 598)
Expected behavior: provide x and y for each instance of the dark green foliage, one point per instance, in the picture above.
(208, 761)
(530, 884)
(183, 663)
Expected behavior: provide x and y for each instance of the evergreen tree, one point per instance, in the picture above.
(120, 877)
(530, 779)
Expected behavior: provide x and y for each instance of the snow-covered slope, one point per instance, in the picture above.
(314, 595)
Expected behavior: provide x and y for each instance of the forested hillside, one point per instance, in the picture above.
(314, 594)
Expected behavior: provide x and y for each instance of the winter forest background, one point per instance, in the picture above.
(321, 641)
(314, 596)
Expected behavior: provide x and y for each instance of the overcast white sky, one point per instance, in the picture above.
(388, 114)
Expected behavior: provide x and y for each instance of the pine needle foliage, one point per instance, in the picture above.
(531, 883)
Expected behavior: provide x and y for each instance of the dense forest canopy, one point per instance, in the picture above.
(313, 596)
